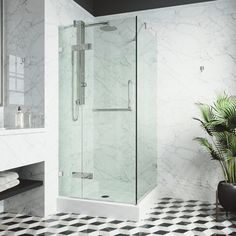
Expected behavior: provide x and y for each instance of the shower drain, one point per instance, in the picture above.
(105, 196)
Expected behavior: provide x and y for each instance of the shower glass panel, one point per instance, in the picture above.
(112, 112)
(146, 109)
(70, 141)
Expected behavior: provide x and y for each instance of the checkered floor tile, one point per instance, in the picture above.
(168, 217)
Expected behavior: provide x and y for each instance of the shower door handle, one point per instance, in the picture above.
(83, 47)
(82, 175)
(83, 84)
(129, 99)
(128, 108)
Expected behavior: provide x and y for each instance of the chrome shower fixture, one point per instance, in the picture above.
(105, 26)
(78, 69)
(97, 24)
(78, 63)
(108, 28)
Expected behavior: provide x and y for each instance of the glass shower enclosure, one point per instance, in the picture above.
(107, 110)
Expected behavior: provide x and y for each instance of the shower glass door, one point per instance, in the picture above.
(70, 142)
(109, 114)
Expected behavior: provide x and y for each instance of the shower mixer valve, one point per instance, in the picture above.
(77, 102)
(83, 84)
(82, 47)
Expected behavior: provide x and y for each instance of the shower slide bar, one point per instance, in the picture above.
(118, 109)
(78, 69)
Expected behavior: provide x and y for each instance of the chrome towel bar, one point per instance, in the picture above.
(118, 109)
(112, 109)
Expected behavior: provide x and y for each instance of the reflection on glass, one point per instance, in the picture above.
(16, 80)
(23, 70)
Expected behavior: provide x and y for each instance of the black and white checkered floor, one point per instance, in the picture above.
(168, 217)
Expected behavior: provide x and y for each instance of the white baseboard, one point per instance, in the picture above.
(111, 210)
(147, 204)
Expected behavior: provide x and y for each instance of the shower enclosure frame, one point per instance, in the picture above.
(136, 110)
(78, 102)
(2, 49)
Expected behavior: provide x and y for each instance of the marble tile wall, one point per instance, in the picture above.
(187, 38)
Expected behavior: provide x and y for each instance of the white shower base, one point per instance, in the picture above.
(112, 210)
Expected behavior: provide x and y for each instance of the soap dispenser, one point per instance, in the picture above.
(19, 118)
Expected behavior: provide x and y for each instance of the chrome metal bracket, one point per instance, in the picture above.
(82, 175)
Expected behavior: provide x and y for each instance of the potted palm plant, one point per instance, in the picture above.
(219, 122)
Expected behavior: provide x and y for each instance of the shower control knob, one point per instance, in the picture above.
(83, 84)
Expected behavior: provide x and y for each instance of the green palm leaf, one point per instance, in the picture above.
(209, 147)
(206, 112)
(219, 121)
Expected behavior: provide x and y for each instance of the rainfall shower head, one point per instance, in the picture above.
(105, 26)
(108, 28)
